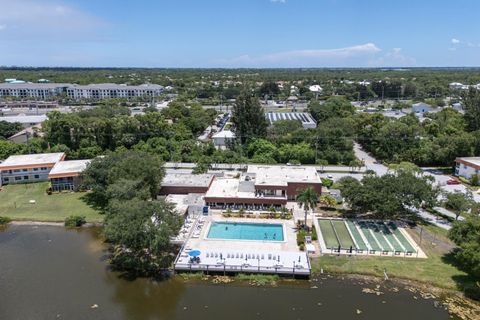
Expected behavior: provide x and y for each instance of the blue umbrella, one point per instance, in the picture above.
(194, 253)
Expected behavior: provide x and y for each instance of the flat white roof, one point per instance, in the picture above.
(282, 175)
(224, 134)
(32, 159)
(228, 188)
(187, 180)
(24, 119)
(71, 166)
(473, 160)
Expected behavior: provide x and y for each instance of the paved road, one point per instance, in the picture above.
(440, 179)
(433, 219)
(370, 162)
(448, 213)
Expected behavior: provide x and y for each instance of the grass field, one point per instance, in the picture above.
(14, 203)
(437, 269)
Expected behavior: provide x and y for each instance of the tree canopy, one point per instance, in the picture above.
(466, 234)
(249, 117)
(389, 196)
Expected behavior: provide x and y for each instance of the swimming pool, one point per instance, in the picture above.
(245, 231)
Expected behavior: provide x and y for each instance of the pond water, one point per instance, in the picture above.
(52, 273)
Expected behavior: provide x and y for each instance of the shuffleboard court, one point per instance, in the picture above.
(356, 234)
(380, 237)
(328, 234)
(344, 236)
(401, 237)
(369, 236)
(389, 235)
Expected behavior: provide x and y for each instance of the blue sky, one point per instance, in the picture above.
(240, 33)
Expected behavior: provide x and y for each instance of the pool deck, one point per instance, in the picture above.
(249, 256)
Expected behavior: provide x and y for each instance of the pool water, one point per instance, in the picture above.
(246, 231)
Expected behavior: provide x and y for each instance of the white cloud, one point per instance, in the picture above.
(308, 57)
(34, 20)
(278, 1)
(393, 58)
(455, 41)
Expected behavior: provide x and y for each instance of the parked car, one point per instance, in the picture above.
(329, 176)
(453, 181)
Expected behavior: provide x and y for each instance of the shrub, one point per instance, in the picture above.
(314, 234)
(4, 220)
(302, 247)
(464, 180)
(475, 180)
(75, 221)
(301, 237)
(327, 183)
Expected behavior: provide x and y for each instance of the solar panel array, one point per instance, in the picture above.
(304, 117)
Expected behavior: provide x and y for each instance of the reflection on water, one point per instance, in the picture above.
(53, 273)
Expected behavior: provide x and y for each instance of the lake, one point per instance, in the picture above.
(49, 272)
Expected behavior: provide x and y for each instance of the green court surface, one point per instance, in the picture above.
(389, 236)
(328, 233)
(346, 241)
(356, 234)
(380, 237)
(401, 237)
(369, 236)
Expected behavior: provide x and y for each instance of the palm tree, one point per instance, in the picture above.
(307, 199)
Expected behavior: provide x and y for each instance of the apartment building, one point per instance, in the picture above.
(109, 90)
(32, 90)
(467, 167)
(92, 91)
(29, 168)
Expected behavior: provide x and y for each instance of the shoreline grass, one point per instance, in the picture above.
(438, 269)
(15, 204)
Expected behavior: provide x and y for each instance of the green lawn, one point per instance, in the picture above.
(436, 269)
(14, 203)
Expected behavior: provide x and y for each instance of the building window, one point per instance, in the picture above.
(37, 176)
(25, 177)
(24, 170)
(18, 178)
(35, 169)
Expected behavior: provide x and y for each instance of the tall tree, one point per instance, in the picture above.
(471, 101)
(141, 231)
(249, 117)
(459, 202)
(389, 196)
(466, 234)
(123, 176)
(307, 199)
(8, 129)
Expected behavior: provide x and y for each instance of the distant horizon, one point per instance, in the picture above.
(243, 68)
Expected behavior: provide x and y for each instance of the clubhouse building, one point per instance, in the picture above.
(262, 187)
